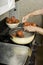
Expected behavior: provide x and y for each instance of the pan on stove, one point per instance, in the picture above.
(28, 36)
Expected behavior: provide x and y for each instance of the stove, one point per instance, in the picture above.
(5, 38)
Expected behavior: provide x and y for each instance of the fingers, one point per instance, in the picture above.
(24, 19)
(30, 28)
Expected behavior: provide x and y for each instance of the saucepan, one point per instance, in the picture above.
(28, 36)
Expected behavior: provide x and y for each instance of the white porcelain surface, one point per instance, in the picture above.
(12, 25)
(6, 5)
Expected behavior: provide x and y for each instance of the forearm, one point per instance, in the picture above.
(37, 12)
(39, 30)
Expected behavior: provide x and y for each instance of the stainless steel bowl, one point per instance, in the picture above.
(28, 37)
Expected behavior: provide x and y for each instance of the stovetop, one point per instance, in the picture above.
(5, 38)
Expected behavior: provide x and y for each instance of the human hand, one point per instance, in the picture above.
(30, 28)
(25, 18)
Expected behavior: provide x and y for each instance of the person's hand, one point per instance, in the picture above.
(30, 28)
(25, 18)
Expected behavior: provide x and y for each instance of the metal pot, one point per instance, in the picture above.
(28, 36)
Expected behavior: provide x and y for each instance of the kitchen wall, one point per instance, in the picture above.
(4, 15)
(24, 7)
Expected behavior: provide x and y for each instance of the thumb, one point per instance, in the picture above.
(23, 20)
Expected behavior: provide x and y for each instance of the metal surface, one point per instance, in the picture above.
(9, 56)
(26, 33)
(28, 36)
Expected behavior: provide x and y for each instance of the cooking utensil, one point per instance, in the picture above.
(28, 36)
